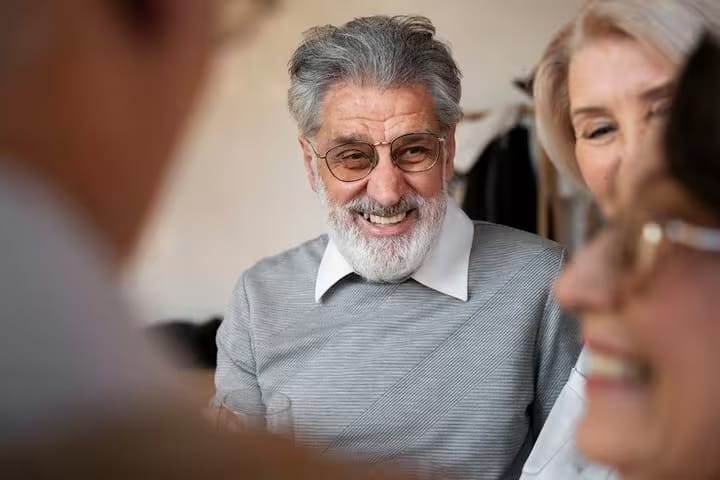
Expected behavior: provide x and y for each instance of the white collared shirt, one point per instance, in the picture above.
(445, 268)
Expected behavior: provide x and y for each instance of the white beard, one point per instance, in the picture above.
(389, 259)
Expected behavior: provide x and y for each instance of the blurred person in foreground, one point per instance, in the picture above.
(647, 290)
(93, 98)
(603, 86)
(408, 334)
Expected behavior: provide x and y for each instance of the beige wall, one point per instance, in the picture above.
(238, 191)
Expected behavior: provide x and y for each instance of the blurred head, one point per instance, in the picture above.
(94, 95)
(606, 81)
(377, 101)
(647, 291)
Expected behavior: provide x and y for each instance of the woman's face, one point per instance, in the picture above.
(619, 92)
(653, 334)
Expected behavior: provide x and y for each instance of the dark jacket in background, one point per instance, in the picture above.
(502, 185)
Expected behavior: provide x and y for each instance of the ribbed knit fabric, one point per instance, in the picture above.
(400, 373)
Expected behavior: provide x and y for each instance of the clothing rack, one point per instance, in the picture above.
(548, 209)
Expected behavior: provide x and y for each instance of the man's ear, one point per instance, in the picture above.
(449, 152)
(308, 158)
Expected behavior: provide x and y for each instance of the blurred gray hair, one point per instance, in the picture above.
(381, 51)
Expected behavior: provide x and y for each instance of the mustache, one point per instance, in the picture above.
(372, 207)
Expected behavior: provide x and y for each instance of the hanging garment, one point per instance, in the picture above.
(502, 185)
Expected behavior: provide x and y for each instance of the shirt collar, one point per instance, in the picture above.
(445, 268)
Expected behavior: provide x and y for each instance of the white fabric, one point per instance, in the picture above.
(554, 456)
(445, 268)
(472, 136)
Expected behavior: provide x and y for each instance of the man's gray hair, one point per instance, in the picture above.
(381, 51)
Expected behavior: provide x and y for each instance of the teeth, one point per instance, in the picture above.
(386, 220)
(614, 368)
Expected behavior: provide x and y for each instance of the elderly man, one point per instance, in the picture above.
(408, 334)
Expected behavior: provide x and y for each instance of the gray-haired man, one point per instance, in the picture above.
(408, 334)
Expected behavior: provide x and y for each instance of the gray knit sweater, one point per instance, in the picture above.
(400, 373)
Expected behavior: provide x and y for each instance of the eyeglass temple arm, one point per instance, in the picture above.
(694, 236)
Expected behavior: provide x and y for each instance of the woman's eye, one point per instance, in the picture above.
(599, 132)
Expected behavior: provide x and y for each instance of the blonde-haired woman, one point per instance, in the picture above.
(603, 89)
(606, 79)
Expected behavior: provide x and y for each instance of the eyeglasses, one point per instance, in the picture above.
(636, 249)
(412, 153)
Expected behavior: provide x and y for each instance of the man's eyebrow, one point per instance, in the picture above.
(360, 137)
(349, 138)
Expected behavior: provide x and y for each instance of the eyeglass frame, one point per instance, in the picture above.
(653, 234)
(376, 157)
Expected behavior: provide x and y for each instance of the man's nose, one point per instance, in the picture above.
(386, 183)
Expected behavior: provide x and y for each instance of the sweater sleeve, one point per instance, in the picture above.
(557, 349)
(236, 368)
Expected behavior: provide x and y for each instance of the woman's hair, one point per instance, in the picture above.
(671, 27)
(692, 141)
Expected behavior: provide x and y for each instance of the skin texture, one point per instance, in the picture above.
(372, 115)
(620, 94)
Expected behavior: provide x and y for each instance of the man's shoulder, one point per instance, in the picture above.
(303, 259)
(497, 241)
(522, 265)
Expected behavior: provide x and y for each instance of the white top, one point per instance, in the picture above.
(555, 456)
(68, 352)
(445, 268)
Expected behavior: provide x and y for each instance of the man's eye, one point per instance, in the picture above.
(352, 155)
(417, 150)
(413, 153)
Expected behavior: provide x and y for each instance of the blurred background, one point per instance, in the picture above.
(238, 192)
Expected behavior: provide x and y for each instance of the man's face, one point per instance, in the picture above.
(384, 224)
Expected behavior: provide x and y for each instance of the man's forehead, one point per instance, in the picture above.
(363, 110)
(348, 101)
